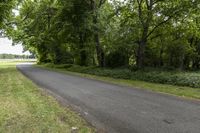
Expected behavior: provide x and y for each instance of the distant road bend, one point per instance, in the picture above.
(119, 109)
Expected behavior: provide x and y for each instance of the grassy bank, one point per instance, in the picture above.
(190, 79)
(133, 79)
(25, 108)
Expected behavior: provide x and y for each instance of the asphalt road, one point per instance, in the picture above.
(120, 109)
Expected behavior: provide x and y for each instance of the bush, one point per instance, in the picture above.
(116, 59)
(63, 58)
(190, 79)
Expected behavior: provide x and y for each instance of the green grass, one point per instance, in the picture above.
(26, 108)
(99, 74)
(180, 78)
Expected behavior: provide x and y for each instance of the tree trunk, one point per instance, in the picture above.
(145, 27)
(141, 48)
(83, 55)
(141, 54)
(181, 67)
(99, 50)
(161, 55)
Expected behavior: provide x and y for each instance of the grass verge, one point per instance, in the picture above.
(25, 108)
(153, 75)
(182, 91)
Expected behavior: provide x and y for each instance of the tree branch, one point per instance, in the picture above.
(163, 22)
(140, 11)
(101, 3)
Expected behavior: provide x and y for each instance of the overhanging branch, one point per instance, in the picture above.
(163, 22)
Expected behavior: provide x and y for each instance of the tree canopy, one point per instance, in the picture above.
(107, 33)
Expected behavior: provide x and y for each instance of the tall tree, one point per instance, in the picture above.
(153, 14)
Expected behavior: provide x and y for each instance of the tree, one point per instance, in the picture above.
(146, 33)
(150, 15)
(6, 7)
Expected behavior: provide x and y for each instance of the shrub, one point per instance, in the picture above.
(63, 58)
(190, 79)
(116, 59)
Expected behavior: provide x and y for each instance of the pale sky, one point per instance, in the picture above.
(6, 47)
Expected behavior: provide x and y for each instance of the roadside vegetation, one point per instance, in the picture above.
(152, 40)
(26, 108)
(107, 33)
(152, 44)
(175, 83)
(190, 79)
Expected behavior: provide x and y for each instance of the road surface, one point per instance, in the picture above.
(119, 109)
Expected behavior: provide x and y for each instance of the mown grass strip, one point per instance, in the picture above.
(25, 108)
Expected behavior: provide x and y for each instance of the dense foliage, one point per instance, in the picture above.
(111, 33)
(191, 79)
(6, 7)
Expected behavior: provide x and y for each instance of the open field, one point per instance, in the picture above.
(25, 108)
(17, 60)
